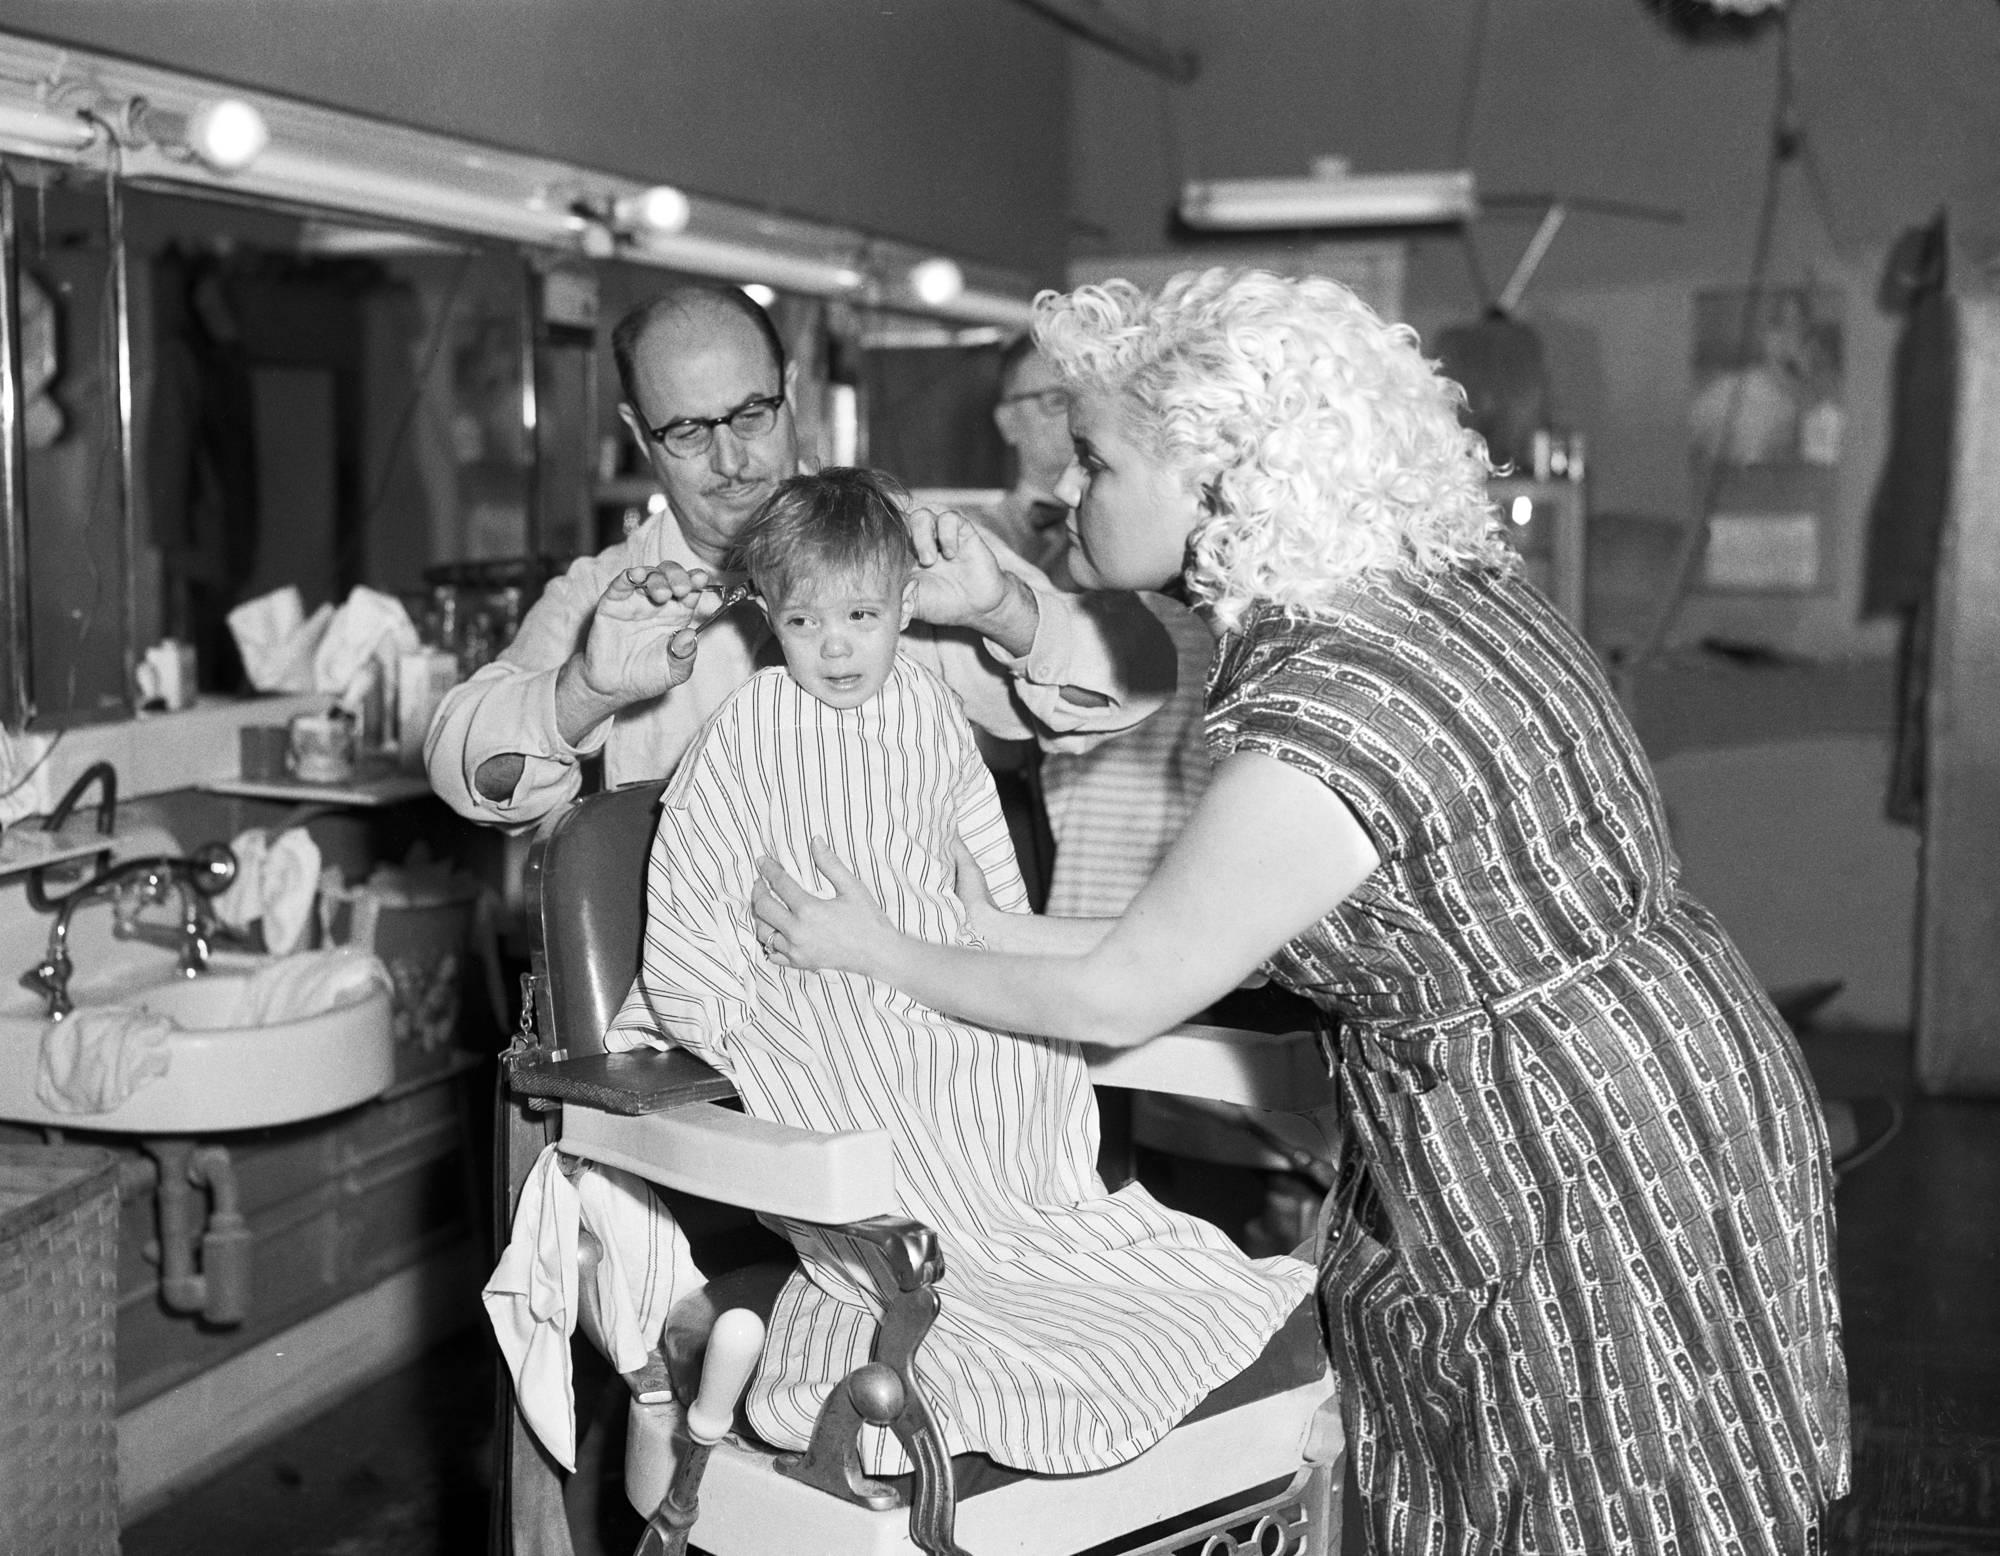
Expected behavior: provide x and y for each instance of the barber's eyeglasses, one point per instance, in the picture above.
(1050, 402)
(689, 437)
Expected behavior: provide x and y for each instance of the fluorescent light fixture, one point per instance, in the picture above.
(347, 171)
(32, 128)
(284, 172)
(1345, 200)
(740, 262)
(977, 306)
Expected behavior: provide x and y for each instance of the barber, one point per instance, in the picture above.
(608, 660)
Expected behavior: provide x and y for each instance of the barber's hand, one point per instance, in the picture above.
(847, 932)
(641, 641)
(960, 583)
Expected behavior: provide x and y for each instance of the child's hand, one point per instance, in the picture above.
(981, 911)
(847, 932)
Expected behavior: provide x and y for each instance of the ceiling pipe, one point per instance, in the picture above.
(1094, 22)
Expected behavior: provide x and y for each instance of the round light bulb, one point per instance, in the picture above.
(228, 134)
(662, 208)
(936, 282)
(760, 294)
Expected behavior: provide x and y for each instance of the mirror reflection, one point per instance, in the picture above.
(316, 405)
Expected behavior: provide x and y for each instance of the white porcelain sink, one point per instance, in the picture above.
(220, 1075)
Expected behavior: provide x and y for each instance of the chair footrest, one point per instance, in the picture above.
(749, 1509)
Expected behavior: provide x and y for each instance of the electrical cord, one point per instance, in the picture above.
(1786, 139)
(440, 333)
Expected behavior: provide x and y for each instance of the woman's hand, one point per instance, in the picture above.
(847, 932)
(960, 583)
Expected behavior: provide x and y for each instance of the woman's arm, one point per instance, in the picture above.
(1268, 853)
(1023, 933)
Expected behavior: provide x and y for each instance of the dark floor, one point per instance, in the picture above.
(399, 1469)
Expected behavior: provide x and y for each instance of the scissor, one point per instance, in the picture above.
(733, 596)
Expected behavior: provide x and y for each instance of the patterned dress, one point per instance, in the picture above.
(1077, 1326)
(1580, 1274)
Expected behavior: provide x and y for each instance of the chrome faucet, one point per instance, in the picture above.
(195, 878)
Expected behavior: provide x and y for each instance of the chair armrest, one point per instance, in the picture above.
(716, 1153)
(1280, 1072)
(638, 1080)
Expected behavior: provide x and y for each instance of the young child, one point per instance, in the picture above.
(1077, 1326)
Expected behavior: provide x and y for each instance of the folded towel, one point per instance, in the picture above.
(277, 641)
(277, 878)
(310, 983)
(532, 1297)
(94, 1059)
(287, 882)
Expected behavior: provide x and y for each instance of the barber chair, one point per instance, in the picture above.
(1241, 1474)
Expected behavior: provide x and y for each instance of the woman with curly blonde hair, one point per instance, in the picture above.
(1579, 1278)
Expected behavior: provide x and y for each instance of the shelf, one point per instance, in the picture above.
(371, 786)
(24, 847)
(635, 490)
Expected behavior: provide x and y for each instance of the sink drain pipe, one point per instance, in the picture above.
(220, 1291)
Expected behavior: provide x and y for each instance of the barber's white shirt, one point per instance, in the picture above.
(1105, 644)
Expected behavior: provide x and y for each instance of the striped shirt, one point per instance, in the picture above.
(1077, 1326)
(1115, 806)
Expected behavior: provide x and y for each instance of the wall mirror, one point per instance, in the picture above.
(304, 403)
(251, 343)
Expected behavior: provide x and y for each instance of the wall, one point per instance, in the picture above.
(1594, 98)
(942, 121)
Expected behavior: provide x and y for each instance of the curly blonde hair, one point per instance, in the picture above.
(1326, 448)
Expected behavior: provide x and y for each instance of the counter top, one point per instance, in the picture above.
(370, 786)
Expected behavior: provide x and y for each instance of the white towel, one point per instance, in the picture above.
(310, 983)
(276, 881)
(94, 1059)
(532, 1296)
(277, 641)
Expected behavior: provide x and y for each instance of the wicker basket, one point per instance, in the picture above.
(58, 1312)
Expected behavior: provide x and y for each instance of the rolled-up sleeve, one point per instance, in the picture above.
(1099, 663)
(508, 708)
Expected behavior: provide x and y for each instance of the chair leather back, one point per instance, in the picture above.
(585, 889)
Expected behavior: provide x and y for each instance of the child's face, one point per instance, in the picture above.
(839, 632)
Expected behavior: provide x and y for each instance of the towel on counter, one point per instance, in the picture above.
(277, 641)
(277, 878)
(93, 1060)
(533, 1295)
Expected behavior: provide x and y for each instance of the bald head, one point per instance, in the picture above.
(701, 356)
(689, 312)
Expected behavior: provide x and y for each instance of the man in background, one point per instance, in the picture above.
(1032, 414)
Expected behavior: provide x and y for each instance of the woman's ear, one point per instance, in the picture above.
(1211, 497)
